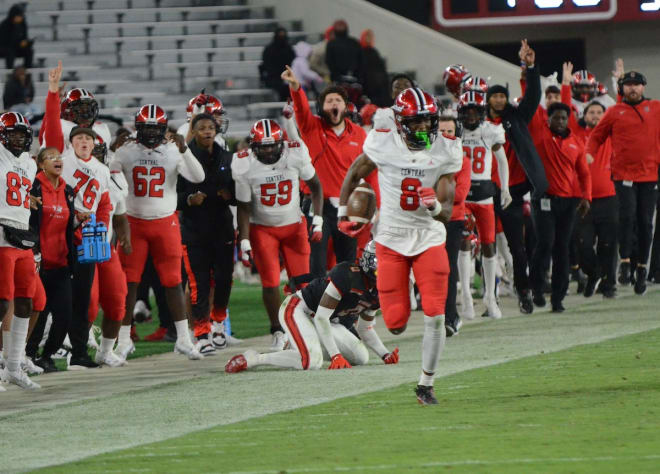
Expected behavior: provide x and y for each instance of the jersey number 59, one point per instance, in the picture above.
(276, 192)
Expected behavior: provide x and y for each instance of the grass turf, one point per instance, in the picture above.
(592, 408)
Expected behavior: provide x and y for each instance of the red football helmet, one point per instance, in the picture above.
(469, 101)
(19, 142)
(412, 106)
(454, 77)
(353, 114)
(475, 83)
(151, 125)
(267, 141)
(80, 106)
(100, 151)
(212, 106)
(584, 86)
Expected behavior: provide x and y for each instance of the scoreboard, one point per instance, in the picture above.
(464, 13)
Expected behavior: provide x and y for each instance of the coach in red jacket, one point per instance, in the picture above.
(334, 142)
(634, 128)
(562, 154)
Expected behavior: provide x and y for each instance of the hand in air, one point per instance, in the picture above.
(290, 78)
(352, 229)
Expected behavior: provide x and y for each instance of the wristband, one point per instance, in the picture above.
(245, 245)
(436, 210)
(317, 221)
(341, 211)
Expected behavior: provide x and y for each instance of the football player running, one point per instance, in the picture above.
(151, 166)
(270, 221)
(416, 169)
(482, 140)
(320, 321)
(18, 276)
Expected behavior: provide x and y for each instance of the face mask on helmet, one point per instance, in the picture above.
(471, 116)
(84, 112)
(17, 140)
(268, 154)
(420, 131)
(584, 92)
(151, 135)
(100, 152)
(368, 262)
(222, 123)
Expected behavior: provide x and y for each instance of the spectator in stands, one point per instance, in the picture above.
(333, 143)
(634, 127)
(317, 58)
(373, 73)
(343, 55)
(276, 56)
(207, 234)
(309, 80)
(15, 42)
(18, 89)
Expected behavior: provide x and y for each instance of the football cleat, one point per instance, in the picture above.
(492, 308)
(279, 340)
(124, 350)
(452, 327)
(218, 336)
(80, 363)
(187, 349)
(640, 281)
(21, 379)
(525, 302)
(205, 347)
(92, 343)
(110, 359)
(425, 395)
(467, 306)
(158, 335)
(29, 367)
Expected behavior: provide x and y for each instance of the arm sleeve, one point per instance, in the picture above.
(243, 191)
(462, 179)
(51, 130)
(190, 168)
(532, 97)
(502, 167)
(584, 176)
(292, 129)
(304, 116)
(367, 333)
(600, 133)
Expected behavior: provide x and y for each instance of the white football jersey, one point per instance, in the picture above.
(118, 193)
(183, 131)
(151, 175)
(403, 224)
(88, 178)
(478, 147)
(384, 118)
(16, 178)
(272, 190)
(100, 128)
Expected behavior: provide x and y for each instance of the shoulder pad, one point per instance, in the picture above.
(244, 153)
(240, 166)
(293, 144)
(449, 136)
(384, 130)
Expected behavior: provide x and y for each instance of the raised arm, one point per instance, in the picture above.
(51, 130)
(532, 96)
(304, 116)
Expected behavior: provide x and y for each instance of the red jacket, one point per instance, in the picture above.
(332, 155)
(562, 158)
(462, 179)
(635, 134)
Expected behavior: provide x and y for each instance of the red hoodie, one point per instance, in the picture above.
(54, 222)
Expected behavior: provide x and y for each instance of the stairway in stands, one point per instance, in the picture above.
(131, 52)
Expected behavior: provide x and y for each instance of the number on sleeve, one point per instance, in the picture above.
(409, 198)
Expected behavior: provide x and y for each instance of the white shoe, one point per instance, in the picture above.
(188, 350)
(492, 308)
(141, 307)
(110, 359)
(233, 341)
(218, 336)
(205, 347)
(91, 340)
(467, 307)
(62, 353)
(123, 351)
(279, 340)
(28, 366)
(67, 343)
(21, 379)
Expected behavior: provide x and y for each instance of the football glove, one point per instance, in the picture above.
(429, 200)
(246, 253)
(352, 229)
(338, 362)
(392, 357)
(317, 229)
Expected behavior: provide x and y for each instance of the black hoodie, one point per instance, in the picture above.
(12, 34)
(276, 56)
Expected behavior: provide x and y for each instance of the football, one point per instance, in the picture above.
(361, 204)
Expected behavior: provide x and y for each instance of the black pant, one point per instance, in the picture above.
(345, 247)
(636, 206)
(204, 260)
(10, 54)
(150, 280)
(83, 278)
(59, 302)
(513, 224)
(599, 225)
(453, 245)
(554, 228)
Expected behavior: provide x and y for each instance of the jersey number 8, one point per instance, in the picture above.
(409, 198)
(477, 157)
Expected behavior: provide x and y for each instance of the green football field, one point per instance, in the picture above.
(576, 392)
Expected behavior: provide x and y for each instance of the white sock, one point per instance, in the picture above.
(107, 344)
(182, 332)
(502, 246)
(289, 359)
(490, 272)
(124, 338)
(17, 338)
(464, 262)
(5, 343)
(432, 345)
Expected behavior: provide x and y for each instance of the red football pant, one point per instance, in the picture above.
(484, 214)
(160, 238)
(111, 277)
(18, 275)
(39, 298)
(267, 243)
(431, 270)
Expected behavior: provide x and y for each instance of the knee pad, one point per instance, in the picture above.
(398, 330)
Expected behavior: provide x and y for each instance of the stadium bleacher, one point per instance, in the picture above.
(129, 52)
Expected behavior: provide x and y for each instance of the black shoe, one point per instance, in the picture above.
(590, 287)
(608, 293)
(525, 302)
(425, 395)
(452, 327)
(640, 281)
(81, 363)
(558, 307)
(170, 336)
(624, 273)
(539, 299)
(46, 363)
